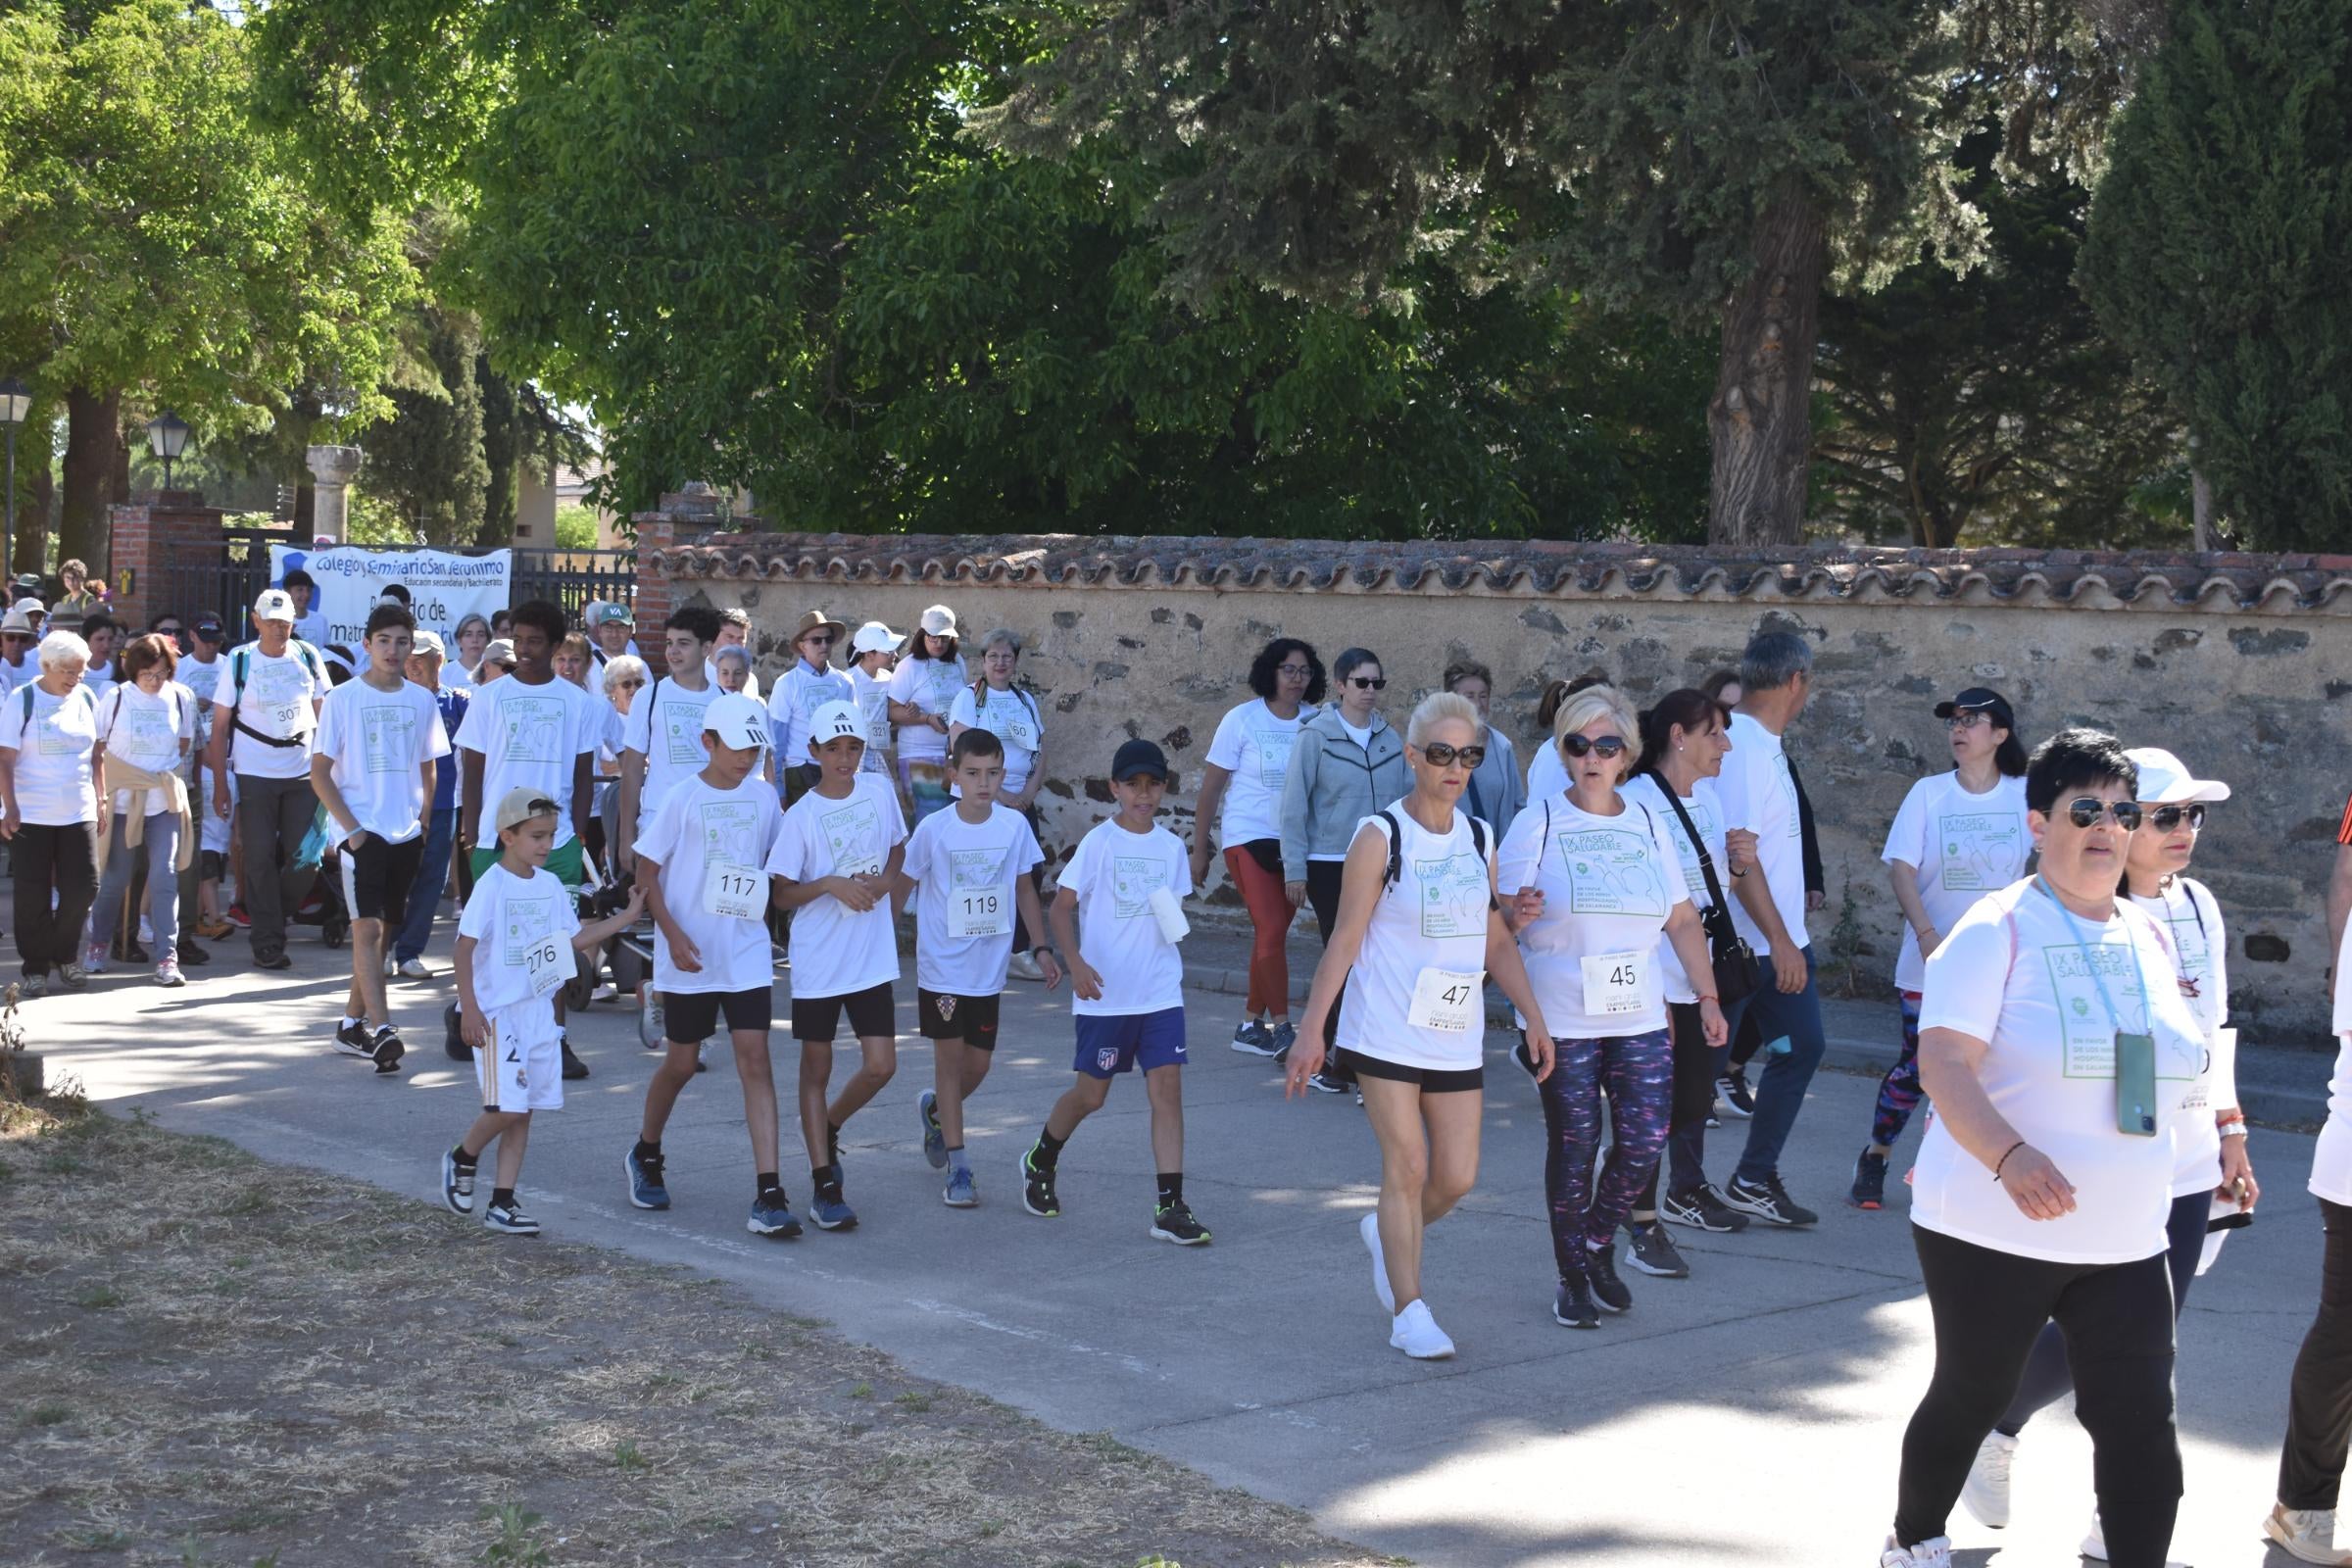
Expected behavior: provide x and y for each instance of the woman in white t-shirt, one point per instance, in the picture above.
(147, 723)
(922, 690)
(1956, 837)
(1240, 791)
(1414, 956)
(993, 702)
(468, 641)
(622, 678)
(1595, 888)
(2055, 1041)
(53, 809)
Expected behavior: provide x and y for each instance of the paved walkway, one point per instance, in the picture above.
(1749, 1414)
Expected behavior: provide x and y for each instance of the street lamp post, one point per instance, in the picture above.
(168, 438)
(16, 401)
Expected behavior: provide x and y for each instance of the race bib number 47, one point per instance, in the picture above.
(1446, 999)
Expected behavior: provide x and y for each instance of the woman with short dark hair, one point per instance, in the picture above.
(1497, 791)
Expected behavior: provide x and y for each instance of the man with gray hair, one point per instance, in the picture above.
(1758, 793)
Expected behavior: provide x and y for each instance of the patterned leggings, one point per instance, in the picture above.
(1899, 1091)
(1636, 1073)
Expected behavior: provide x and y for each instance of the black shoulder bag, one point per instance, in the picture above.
(1735, 960)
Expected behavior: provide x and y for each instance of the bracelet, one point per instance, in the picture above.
(2233, 1114)
(2234, 1129)
(1737, 872)
(2004, 1160)
(1718, 1000)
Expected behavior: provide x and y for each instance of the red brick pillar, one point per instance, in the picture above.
(159, 546)
(656, 532)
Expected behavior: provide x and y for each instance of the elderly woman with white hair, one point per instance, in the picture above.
(53, 809)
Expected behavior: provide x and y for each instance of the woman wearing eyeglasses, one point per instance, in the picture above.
(1595, 879)
(1956, 837)
(1240, 791)
(2209, 1139)
(1347, 763)
(1419, 925)
(2055, 1042)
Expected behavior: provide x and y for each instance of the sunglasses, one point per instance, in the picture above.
(2083, 811)
(2164, 818)
(171, 631)
(1441, 755)
(1377, 683)
(1581, 744)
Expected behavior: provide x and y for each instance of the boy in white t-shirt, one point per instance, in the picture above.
(836, 858)
(372, 764)
(968, 868)
(515, 950)
(1122, 886)
(700, 860)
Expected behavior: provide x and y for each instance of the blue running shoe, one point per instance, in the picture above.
(645, 1180)
(772, 1215)
(962, 1192)
(1285, 1035)
(935, 1142)
(831, 1213)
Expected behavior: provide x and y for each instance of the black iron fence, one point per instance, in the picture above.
(227, 580)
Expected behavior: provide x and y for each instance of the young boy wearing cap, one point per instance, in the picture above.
(661, 739)
(265, 719)
(837, 855)
(872, 652)
(700, 862)
(808, 685)
(1126, 985)
(969, 867)
(514, 951)
(426, 656)
(379, 745)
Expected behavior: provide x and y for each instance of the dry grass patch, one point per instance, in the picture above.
(215, 1360)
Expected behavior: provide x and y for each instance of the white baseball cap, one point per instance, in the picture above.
(428, 642)
(875, 638)
(2165, 780)
(834, 720)
(275, 604)
(522, 802)
(31, 607)
(737, 721)
(940, 621)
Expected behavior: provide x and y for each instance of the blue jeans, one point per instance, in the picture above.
(1781, 1092)
(424, 895)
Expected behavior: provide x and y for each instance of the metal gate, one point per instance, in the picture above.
(226, 581)
(574, 578)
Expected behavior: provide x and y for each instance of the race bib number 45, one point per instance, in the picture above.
(1613, 983)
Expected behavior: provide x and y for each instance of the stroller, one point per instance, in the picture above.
(322, 904)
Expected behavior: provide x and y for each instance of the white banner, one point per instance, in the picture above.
(443, 588)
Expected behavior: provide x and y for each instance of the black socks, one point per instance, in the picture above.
(1171, 1188)
(1047, 1150)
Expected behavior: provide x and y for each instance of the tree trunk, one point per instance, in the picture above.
(94, 443)
(32, 518)
(1759, 419)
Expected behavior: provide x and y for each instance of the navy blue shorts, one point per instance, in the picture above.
(1111, 1045)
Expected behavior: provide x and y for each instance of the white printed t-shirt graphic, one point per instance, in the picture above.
(280, 691)
(53, 755)
(1758, 793)
(1428, 935)
(664, 727)
(697, 831)
(795, 699)
(1113, 873)
(872, 697)
(1012, 717)
(838, 951)
(1254, 747)
(1963, 847)
(146, 731)
(964, 902)
(1706, 815)
(524, 929)
(379, 742)
(529, 735)
(2012, 972)
(2190, 917)
(930, 684)
(1608, 885)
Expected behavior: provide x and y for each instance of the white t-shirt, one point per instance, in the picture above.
(2011, 972)
(311, 627)
(99, 680)
(1428, 932)
(837, 951)
(965, 874)
(795, 699)
(1113, 873)
(678, 751)
(2331, 1160)
(380, 742)
(53, 755)
(1608, 885)
(1012, 717)
(872, 697)
(1253, 744)
(1706, 815)
(1963, 847)
(1548, 773)
(147, 731)
(521, 926)
(279, 700)
(2190, 917)
(929, 684)
(697, 827)
(1759, 795)
(202, 679)
(530, 735)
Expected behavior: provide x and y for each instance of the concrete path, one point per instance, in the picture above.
(1749, 1414)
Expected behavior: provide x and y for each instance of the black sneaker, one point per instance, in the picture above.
(271, 960)
(1174, 1222)
(1037, 1188)
(1327, 1083)
(1600, 1266)
(574, 1068)
(1767, 1200)
(1653, 1251)
(1733, 1087)
(1870, 1181)
(191, 956)
(388, 1049)
(1572, 1305)
(356, 1039)
(1703, 1210)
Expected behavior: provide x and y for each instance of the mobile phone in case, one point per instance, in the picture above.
(2136, 1085)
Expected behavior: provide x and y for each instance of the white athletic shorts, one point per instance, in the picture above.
(526, 1070)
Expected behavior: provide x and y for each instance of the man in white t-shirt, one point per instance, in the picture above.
(611, 634)
(661, 739)
(810, 684)
(264, 715)
(1768, 905)
(378, 749)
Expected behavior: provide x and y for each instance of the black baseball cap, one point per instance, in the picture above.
(1979, 700)
(208, 626)
(1138, 757)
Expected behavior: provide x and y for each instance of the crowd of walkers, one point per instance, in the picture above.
(1638, 894)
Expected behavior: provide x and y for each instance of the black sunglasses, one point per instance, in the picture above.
(1441, 755)
(1581, 744)
(2083, 811)
(1378, 683)
(2164, 818)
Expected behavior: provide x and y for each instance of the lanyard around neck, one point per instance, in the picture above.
(2074, 928)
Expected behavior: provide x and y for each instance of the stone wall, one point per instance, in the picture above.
(2243, 665)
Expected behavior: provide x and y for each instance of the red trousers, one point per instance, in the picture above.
(1270, 915)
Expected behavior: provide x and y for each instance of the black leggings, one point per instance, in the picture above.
(1323, 896)
(2117, 1321)
(2319, 1412)
(1696, 1065)
(39, 856)
(2046, 1375)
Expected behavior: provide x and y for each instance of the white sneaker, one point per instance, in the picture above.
(2307, 1535)
(2095, 1545)
(415, 969)
(1931, 1553)
(1021, 966)
(391, 969)
(1986, 1494)
(1414, 1332)
(1369, 1229)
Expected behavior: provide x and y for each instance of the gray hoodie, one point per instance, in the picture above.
(1332, 785)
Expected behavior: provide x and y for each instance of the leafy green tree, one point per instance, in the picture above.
(427, 458)
(2216, 255)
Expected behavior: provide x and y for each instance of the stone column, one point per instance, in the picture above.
(334, 469)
